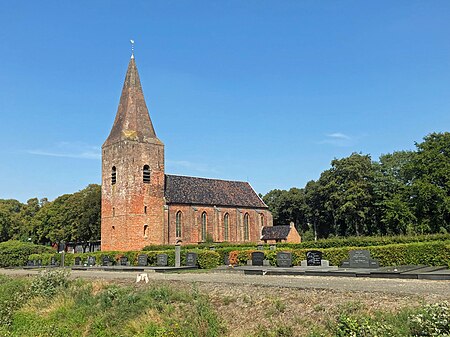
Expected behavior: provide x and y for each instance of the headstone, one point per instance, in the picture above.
(360, 259)
(191, 259)
(161, 260)
(260, 247)
(142, 260)
(53, 261)
(314, 258)
(284, 259)
(105, 260)
(30, 263)
(123, 261)
(226, 260)
(91, 261)
(257, 258)
(272, 247)
(177, 256)
(39, 263)
(78, 261)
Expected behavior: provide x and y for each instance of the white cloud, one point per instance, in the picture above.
(338, 139)
(69, 150)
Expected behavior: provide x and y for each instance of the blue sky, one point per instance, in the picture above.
(263, 91)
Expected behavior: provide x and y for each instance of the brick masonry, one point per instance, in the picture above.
(135, 213)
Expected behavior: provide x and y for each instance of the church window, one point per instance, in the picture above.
(204, 226)
(226, 218)
(178, 219)
(145, 231)
(262, 220)
(145, 209)
(113, 175)
(114, 211)
(146, 174)
(246, 229)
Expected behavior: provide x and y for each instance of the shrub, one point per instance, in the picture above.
(48, 282)
(208, 259)
(433, 320)
(353, 327)
(16, 253)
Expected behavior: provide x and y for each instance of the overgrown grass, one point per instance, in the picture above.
(51, 305)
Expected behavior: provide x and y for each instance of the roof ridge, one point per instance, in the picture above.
(186, 176)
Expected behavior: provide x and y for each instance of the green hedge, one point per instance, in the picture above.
(422, 253)
(356, 241)
(15, 253)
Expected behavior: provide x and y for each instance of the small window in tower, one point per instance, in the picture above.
(146, 174)
(114, 211)
(113, 175)
(113, 227)
(145, 231)
(145, 209)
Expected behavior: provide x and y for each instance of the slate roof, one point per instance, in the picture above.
(212, 192)
(275, 232)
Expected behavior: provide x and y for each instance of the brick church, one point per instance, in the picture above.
(141, 205)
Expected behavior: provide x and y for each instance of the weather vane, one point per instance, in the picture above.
(132, 48)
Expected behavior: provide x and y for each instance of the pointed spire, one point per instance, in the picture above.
(132, 119)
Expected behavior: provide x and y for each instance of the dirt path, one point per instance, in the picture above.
(440, 289)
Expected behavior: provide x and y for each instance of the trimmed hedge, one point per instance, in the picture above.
(354, 241)
(15, 253)
(422, 253)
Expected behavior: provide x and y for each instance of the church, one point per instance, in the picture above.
(141, 205)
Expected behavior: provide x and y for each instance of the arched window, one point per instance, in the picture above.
(246, 230)
(146, 174)
(113, 175)
(262, 219)
(145, 231)
(204, 226)
(145, 209)
(178, 219)
(226, 219)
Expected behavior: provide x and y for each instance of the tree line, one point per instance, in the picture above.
(405, 192)
(70, 217)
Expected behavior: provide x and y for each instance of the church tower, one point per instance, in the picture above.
(132, 174)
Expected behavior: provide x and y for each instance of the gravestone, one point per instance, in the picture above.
(260, 247)
(161, 260)
(53, 261)
(142, 260)
(30, 263)
(123, 261)
(105, 260)
(39, 263)
(360, 259)
(272, 247)
(91, 261)
(191, 259)
(257, 258)
(284, 259)
(78, 261)
(313, 258)
(226, 260)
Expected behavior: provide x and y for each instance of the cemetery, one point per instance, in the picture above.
(425, 260)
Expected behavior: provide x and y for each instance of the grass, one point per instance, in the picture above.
(51, 305)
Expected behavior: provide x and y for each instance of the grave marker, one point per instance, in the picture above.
(284, 259)
(161, 260)
(142, 260)
(313, 258)
(191, 259)
(257, 258)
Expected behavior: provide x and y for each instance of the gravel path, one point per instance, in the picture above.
(386, 286)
